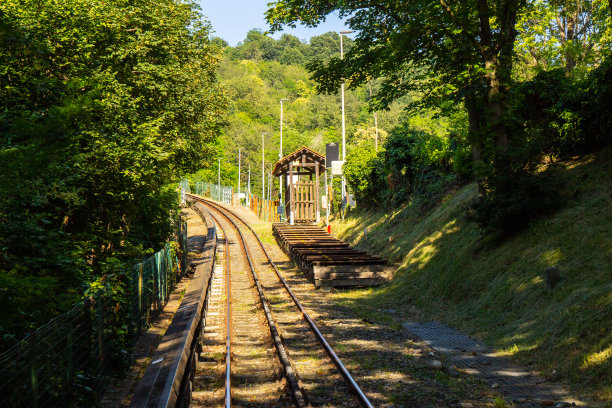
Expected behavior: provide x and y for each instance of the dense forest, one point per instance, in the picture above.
(103, 105)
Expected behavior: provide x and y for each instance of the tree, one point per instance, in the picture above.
(573, 34)
(462, 50)
(103, 104)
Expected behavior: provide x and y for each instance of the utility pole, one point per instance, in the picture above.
(263, 171)
(375, 120)
(343, 123)
(239, 176)
(219, 181)
(280, 151)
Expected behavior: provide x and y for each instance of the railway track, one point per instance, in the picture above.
(268, 352)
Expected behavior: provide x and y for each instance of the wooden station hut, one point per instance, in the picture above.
(301, 170)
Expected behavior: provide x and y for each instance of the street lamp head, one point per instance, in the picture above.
(346, 32)
(284, 99)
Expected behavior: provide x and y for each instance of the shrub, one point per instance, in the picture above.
(597, 107)
(512, 199)
(419, 164)
(365, 173)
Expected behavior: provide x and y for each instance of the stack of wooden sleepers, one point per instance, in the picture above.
(328, 261)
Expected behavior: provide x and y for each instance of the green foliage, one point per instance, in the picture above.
(419, 164)
(256, 77)
(550, 110)
(514, 199)
(562, 34)
(103, 103)
(365, 173)
(597, 105)
(415, 166)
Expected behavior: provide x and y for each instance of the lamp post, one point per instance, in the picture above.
(239, 176)
(375, 121)
(263, 171)
(343, 123)
(219, 182)
(280, 150)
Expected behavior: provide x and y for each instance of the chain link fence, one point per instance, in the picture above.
(68, 361)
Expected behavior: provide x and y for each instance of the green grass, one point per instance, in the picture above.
(495, 290)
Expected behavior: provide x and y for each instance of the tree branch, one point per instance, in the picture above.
(469, 36)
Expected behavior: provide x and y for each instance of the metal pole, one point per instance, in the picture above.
(239, 176)
(328, 201)
(280, 151)
(249, 187)
(375, 120)
(342, 91)
(219, 185)
(343, 123)
(263, 171)
(270, 185)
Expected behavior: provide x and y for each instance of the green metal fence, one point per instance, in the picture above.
(67, 362)
(152, 282)
(214, 191)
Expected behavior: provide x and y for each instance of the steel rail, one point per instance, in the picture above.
(284, 357)
(228, 326)
(361, 397)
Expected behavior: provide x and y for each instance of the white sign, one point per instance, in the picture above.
(324, 202)
(336, 167)
(241, 196)
(296, 179)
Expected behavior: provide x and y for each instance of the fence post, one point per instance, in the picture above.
(34, 375)
(100, 329)
(69, 362)
(141, 266)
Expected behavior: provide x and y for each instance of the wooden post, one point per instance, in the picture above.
(317, 204)
(291, 195)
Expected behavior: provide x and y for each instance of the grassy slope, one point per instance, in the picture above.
(496, 291)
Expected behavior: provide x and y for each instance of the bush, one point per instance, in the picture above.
(512, 199)
(548, 109)
(597, 108)
(365, 173)
(419, 163)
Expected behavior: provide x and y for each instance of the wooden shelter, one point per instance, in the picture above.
(301, 170)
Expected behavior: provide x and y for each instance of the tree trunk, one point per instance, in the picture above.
(570, 62)
(474, 105)
(474, 128)
(496, 101)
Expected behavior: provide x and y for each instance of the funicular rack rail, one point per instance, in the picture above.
(328, 261)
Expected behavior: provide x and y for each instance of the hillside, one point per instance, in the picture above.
(495, 290)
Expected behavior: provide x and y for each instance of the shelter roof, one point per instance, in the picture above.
(310, 156)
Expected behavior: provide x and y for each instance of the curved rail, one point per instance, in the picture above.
(168, 380)
(284, 357)
(228, 327)
(361, 397)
